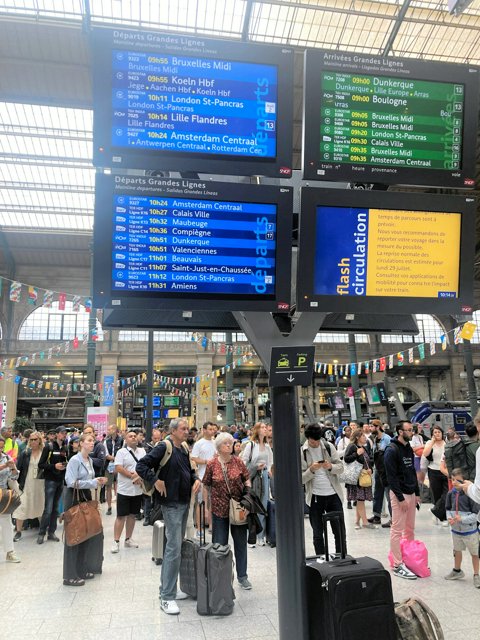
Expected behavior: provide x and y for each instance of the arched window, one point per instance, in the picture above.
(341, 338)
(52, 324)
(158, 336)
(430, 330)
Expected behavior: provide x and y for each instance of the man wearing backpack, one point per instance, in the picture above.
(460, 452)
(168, 467)
(321, 469)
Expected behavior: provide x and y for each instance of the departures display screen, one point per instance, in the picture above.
(385, 252)
(389, 120)
(189, 244)
(194, 105)
(186, 103)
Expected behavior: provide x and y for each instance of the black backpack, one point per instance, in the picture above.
(456, 455)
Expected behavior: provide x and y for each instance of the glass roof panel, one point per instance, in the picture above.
(215, 17)
(71, 9)
(46, 175)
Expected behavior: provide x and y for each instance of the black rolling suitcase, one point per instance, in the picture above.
(215, 594)
(348, 598)
(189, 555)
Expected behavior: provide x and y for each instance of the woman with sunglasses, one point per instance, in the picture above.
(33, 489)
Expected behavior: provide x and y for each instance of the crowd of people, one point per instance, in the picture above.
(198, 472)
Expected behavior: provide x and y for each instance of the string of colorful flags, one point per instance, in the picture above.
(51, 352)
(220, 347)
(21, 292)
(463, 332)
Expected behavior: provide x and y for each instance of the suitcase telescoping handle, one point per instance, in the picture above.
(202, 523)
(333, 516)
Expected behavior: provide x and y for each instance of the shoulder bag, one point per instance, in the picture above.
(236, 514)
(365, 478)
(9, 501)
(147, 488)
(82, 521)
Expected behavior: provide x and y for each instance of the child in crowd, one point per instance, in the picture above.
(462, 516)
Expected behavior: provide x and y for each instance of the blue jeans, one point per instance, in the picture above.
(265, 492)
(379, 492)
(239, 534)
(53, 493)
(175, 519)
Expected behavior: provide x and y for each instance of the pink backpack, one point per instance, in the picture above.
(414, 556)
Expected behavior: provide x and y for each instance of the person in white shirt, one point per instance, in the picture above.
(203, 450)
(129, 491)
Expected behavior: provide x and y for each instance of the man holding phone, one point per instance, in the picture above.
(321, 469)
(53, 463)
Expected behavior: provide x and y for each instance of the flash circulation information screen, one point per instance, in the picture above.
(186, 244)
(382, 120)
(386, 252)
(193, 105)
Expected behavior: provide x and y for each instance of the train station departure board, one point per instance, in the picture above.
(389, 120)
(186, 103)
(187, 244)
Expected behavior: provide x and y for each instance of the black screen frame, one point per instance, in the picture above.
(312, 197)
(107, 156)
(106, 186)
(317, 61)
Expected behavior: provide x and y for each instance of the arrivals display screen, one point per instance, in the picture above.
(385, 252)
(186, 244)
(389, 120)
(186, 103)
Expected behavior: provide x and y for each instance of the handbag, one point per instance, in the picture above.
(364, 478)
(82, 521)
(9, 501)
(351, 471)
(236, 513)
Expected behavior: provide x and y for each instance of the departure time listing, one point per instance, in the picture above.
(391, 121)
(194, 105)
(175, 245)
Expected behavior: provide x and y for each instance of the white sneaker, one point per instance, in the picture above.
(261, 543)
(115, 547)
(445, 523)
(133, 545)
(251, 546)
(170, 607)
(402, 572)
(12, 557)
(180, 595)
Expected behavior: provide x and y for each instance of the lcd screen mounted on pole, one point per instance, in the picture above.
(385, 252)
(389, 120)
(185, 244)
(190, 104)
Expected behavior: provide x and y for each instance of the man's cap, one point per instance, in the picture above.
(61, 428)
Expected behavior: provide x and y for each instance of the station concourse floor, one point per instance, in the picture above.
(123, 602)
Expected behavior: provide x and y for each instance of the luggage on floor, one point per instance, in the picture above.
(215, 594)
(94, 554)
(188, 563)
(416, 621)
(158, 541)
(348, 598)
(271, 531)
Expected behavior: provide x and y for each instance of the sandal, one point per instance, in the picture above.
(89, 576)
(74, 582)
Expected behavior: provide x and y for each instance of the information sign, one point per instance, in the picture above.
(291, 366)
(193, 244)
(396, 251)
(389, 120)
(166, 101)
